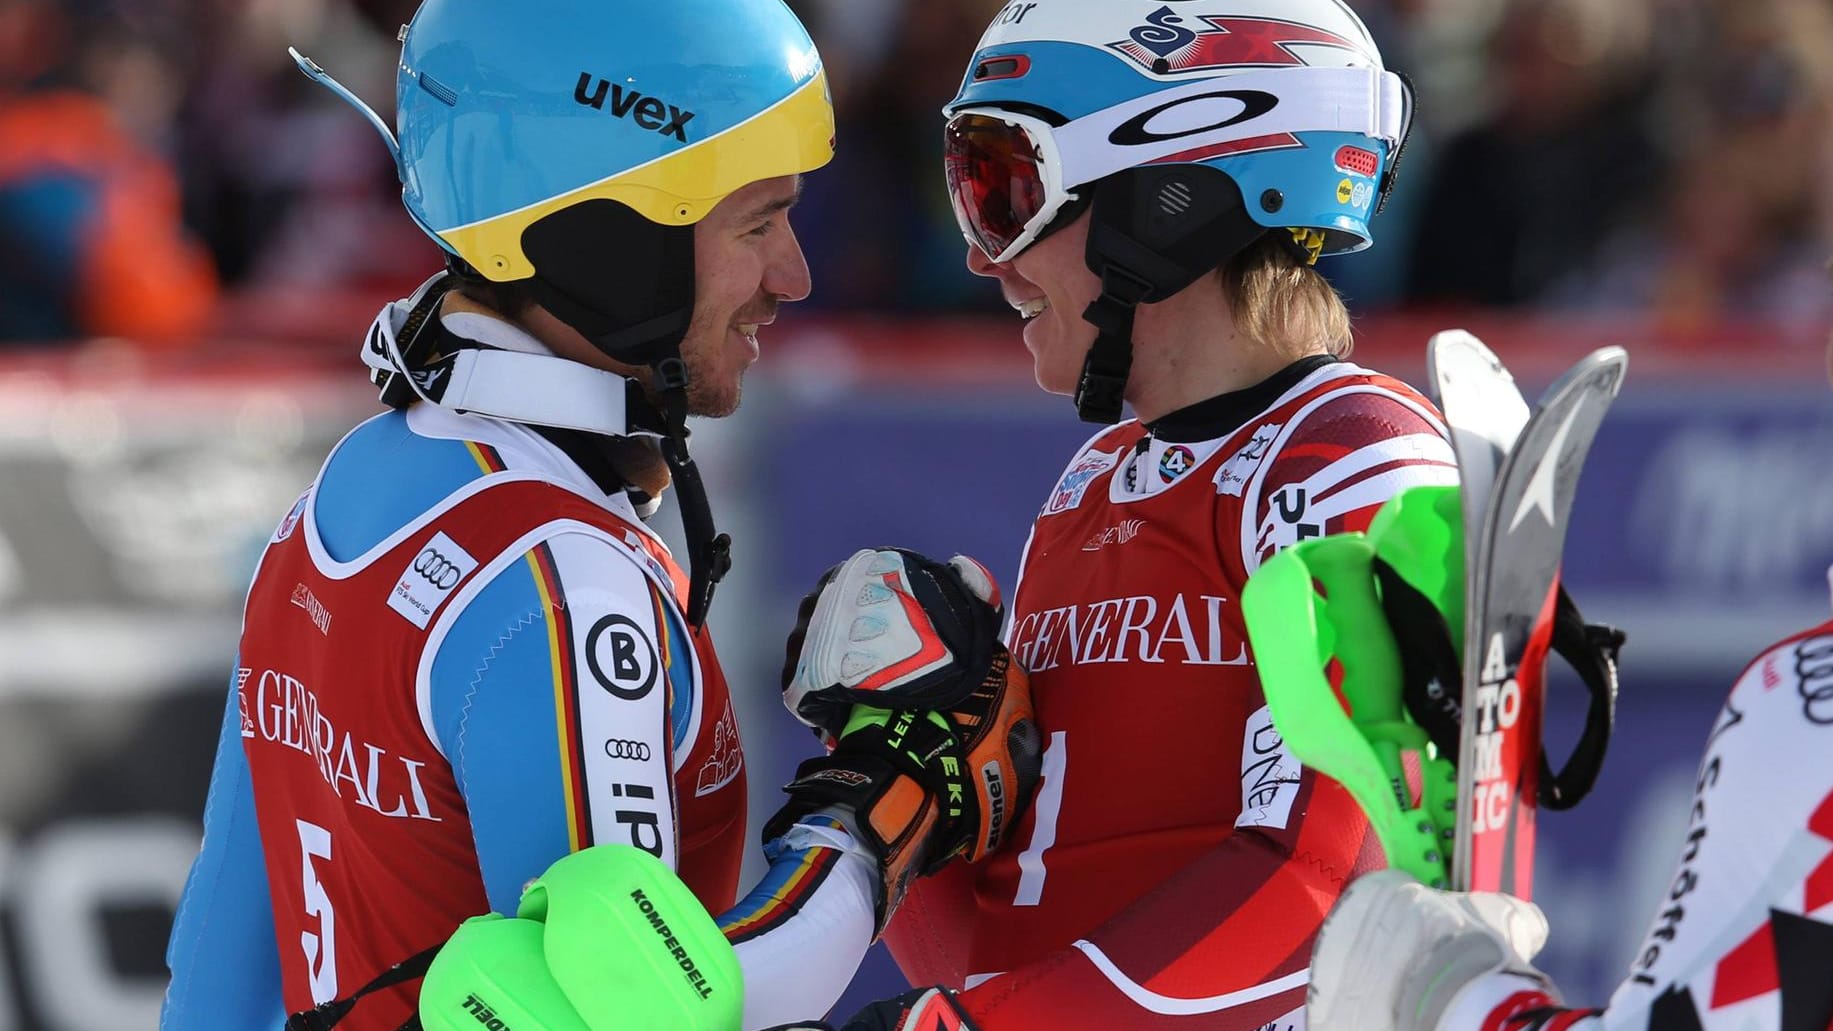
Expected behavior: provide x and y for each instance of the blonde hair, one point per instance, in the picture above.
(1279, 302)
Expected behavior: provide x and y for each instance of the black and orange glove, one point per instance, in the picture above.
(896, 663)
(921, 1009)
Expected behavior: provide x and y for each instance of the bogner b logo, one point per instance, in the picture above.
(646, 111)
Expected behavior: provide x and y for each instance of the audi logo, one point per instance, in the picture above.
(437, 570)
(621, 748)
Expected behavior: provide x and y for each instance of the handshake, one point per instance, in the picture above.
(933, 748)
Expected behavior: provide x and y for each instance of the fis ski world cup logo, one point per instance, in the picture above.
(1075, 482)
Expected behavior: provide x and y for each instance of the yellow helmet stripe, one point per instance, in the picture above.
(794, 135)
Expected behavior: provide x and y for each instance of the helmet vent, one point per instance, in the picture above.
(1011, 66)
(439, 90)
(1174, 198)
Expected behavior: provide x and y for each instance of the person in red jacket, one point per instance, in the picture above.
(1150, 184)
(91, 221)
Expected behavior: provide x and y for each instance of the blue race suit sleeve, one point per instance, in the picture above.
(224, 961)
(493, 711)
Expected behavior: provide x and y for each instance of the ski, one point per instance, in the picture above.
(1514, 550)
(1342, 631)
(1484, 411)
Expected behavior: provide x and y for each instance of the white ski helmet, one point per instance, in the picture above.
(1193, 127)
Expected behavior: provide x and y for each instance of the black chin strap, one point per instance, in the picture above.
(709, 551)
(1102, 389)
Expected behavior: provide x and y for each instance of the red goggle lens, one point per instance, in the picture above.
(994, 180)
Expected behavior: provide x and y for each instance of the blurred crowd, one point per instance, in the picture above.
(1664, 160)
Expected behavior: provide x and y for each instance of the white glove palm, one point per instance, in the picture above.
(1393, 954)
(892, 629)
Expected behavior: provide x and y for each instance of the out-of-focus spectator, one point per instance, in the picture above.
(1742, 232)
(1567, 156)
(879, 233)
(1626, 156)
(90, 238)
(292, 189)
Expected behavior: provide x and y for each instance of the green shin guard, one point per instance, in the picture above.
(607, 939)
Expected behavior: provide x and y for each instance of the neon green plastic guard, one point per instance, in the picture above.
(493, 968)
(1358, 737)
(631, 946)
(1420, 533)
(607, 939)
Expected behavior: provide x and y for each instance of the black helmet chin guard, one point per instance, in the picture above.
(1154, 231)
(626, 284)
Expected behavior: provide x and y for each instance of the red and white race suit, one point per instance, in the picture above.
(1176, 861)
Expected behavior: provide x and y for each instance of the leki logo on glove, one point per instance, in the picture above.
(934, 1012)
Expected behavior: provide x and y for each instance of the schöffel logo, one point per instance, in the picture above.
(651, 113)
(434, 573)
(437, 569)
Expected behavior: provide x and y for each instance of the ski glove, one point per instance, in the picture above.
(896, 663)
(921, 1009)
(1393, 955)
(891, 629)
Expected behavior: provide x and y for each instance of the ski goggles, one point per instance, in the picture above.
(1011, 175)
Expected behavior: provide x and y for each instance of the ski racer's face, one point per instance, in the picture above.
(1049, 284)
(746, 263)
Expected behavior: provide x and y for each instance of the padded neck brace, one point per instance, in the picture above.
(513, 379)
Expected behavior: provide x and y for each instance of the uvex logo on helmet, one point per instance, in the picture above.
(649, 112)
(1166, 44)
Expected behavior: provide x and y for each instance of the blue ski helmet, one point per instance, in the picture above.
(574, 144)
